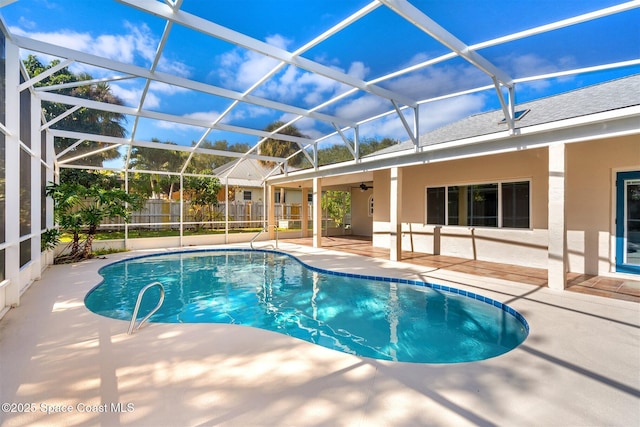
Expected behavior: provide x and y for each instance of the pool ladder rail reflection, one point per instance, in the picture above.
(132, 325)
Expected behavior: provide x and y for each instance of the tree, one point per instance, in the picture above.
(84, 120)
(279, 148)
(337, 204)
(340, 153)
(155, 159)
(203, 193)
(78, 208)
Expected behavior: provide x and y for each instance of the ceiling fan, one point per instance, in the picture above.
(364, 187)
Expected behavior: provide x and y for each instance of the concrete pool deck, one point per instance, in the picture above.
(579, 366)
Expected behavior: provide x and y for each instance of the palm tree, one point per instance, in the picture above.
(279, 148)
(84, 120)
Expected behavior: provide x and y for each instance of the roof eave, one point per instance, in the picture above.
(608, 124)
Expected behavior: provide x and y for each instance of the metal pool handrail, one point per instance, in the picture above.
(262, 231)
(132, 326)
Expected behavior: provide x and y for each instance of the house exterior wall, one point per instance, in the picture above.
(361, 222)
(481, 243)
(590, 200)
(590, 212)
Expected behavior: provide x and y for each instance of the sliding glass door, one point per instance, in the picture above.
(628, 222)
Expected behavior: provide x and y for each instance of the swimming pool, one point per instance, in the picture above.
(382, 318)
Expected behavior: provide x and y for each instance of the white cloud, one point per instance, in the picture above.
(166, 89)
(137, 42)
(529, 65)
(247, 111)
(239, 69)
(134, 44)
(206, 116)
(432, 116)
(26, 23)
(132, 96)
(362, 107)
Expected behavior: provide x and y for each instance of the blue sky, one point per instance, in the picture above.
(378, 44)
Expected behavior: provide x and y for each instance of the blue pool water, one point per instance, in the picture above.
(387, 319)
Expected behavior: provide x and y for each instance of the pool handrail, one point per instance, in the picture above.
(266, 228)
(132, 327)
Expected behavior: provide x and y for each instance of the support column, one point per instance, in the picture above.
(271, 225)
(557, 227)
(50, 176)
(36, 188)
(395, 215)
(304, 213)
(12, 170)
(226, 210)
(317, 213)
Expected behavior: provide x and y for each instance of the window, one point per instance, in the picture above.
(482, 205)
(246, 196)
(515, 204)
(473, 205)
(277, 197)
(436, 203)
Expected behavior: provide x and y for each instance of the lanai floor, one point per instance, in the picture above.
(62, 365)
(617, 288)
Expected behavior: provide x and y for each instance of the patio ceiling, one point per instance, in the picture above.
(476, 57)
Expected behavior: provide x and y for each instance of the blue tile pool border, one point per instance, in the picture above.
(443, 288)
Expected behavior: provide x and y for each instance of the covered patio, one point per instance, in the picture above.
(608, 287)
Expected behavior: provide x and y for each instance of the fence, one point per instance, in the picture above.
(165, 214)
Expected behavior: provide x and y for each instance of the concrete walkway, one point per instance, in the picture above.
(580, 365)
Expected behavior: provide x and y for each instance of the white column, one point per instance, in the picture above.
(271, 199)
(557, 259)
(226, 210)
(317, 213)
(36, 188)
(50, 177)
(304, 213)
(395, 215)
(12, 170)
(181, 209)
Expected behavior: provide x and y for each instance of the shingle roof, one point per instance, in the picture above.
(612, 95)
(248, 172)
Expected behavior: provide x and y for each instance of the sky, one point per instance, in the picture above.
(378, 44)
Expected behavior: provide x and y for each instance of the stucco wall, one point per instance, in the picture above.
(361, 222)
(590, 200)
(590, 175)
(517, 246)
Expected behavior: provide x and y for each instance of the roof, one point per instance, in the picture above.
(612, 95)
(247, 173)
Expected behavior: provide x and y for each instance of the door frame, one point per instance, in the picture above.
(620, 216)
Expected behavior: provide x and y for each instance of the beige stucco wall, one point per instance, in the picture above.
(526, 247)
(361, 222)
(589, 203)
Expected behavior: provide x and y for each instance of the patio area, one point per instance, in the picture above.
(579, 365)
(609, 287)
